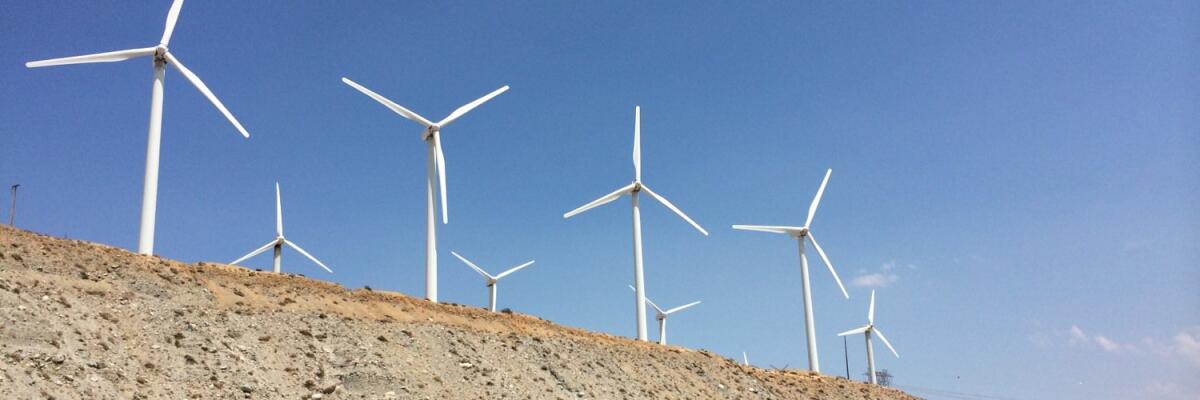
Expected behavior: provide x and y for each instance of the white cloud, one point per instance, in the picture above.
(1076, 336)
(877, 280)
(886, 276)
(1187, 344)
(1109, 345)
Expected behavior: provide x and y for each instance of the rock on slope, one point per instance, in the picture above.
(85, 321)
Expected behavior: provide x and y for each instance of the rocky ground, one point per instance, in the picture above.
(80, 320)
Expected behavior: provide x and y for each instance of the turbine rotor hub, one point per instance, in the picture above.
(429, 131)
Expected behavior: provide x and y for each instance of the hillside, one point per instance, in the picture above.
(81, 320)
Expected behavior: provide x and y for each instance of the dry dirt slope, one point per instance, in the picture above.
(85, 321)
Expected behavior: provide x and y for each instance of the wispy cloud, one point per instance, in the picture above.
(1109, 345)
(1075, 336)
(1185, 344)
(884, 277)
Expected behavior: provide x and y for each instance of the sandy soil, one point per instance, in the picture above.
(80, 320)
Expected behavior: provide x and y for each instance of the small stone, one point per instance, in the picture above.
(246, 388)
(315, 396)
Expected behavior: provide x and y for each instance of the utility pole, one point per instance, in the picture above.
(847, 356)
(12, 212)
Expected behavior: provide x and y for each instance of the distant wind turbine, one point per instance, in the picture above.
(436, 165)
(491, 279)
(662, 317)
(633, 189)
(162, 57)
(867, 331)
(279, 240)
(800, 233)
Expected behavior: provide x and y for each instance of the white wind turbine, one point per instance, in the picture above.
(491, 280)
(633, 189)
(662, 317)
(162, 57)
(867, 331)
(800, 233)
(279, 240)
(435, 165)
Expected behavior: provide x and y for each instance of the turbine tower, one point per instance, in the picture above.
(800, 233)
(436, 165)
(279, 240)
(662, 318)
(633, 189)
(162, 57)
(867, 331)
(491, 280)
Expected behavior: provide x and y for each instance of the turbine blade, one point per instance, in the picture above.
(787, 230)
(513, 269)
(172, 18)
(441, 170)
(474, 267)
(404, 112)
(471, 106)
(660, 311)
(278, 212)
(112, 56)
(608, 198)
(637, 143)
(305, 253)
(829, 265)
(195, 80)
(855, 331)
(256, 252)
(812, 208)
(877, 332)
(871, 310)
(667, 203)
(680, 308)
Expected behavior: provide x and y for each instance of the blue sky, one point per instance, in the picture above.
(1016, 179)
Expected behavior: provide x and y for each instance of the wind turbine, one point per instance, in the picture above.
(162, 57)
(491, 280)
(436, 165)
(279, 240)
(800, 233)
(633, 189)
(662, 318)
(867, 331)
